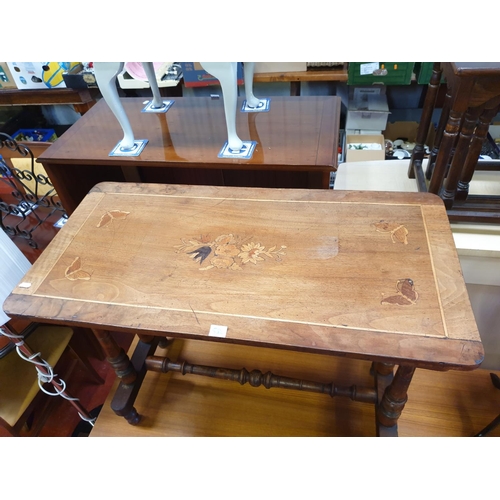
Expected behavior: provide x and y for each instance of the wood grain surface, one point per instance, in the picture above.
(296, 146)
(366, 275)
(296, 134)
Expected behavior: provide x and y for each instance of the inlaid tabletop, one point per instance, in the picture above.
(362, 274)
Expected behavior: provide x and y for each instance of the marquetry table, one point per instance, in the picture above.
(366, 275)
(297, 146)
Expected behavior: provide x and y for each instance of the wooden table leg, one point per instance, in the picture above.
(383, 374)
(123, 400)
(417, 156)
(447, 143)
(473, 153)
(116, 356)
(445, 111)
(131, 372)
(464, 141)
(393, 401)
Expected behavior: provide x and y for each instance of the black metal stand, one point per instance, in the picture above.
(29, 205)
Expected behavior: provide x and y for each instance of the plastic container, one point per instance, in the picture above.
(386, 73)
(35, 135)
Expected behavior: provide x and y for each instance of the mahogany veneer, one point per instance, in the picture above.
(297, 146)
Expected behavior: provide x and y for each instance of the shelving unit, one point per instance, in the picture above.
(296, 77)
(82, 100)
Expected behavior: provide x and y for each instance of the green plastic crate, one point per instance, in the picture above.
(398, 73)
(424, 72)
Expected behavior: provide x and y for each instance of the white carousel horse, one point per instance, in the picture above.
(225, 72)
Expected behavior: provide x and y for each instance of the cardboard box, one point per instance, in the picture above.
(407, 130)
(367, 110)
(128, 82)
(363, 132)
(77, 78)
(364, 154)
(39, 75)
(279, 67)
(195, 76)
(6, 78)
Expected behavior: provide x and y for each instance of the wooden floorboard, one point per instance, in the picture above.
(439, 404)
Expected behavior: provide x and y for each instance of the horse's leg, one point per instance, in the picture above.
(105, 75)
(226, 73)
(248, 69)
(150, 73)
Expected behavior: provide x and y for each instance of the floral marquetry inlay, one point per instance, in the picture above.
(228, 251)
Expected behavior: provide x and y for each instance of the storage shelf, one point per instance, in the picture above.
(334, 75)
(40, 97)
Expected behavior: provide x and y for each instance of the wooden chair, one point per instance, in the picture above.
(20, 394)
(472, 101)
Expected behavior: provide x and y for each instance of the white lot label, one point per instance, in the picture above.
(368, 68)
(217, 331)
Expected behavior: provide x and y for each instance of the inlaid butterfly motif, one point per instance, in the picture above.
(108, 217)
(74, 271)
(398, 232)
(406, 294)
